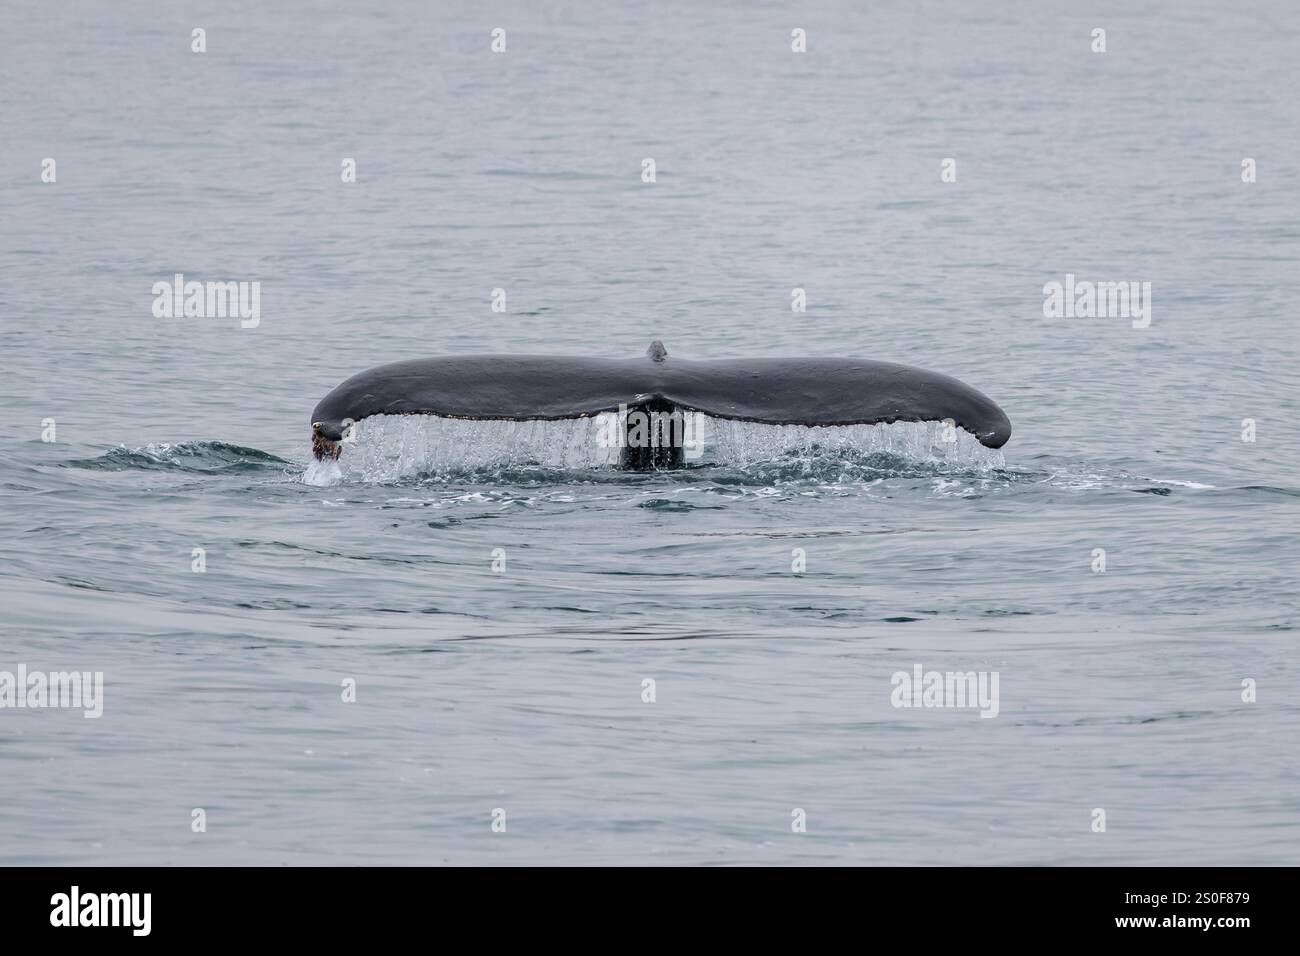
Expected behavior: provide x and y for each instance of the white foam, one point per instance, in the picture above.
(322, 473)
(393, 447)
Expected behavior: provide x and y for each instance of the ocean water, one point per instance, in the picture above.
(499, 612)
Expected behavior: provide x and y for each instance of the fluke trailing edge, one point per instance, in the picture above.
(775, 391)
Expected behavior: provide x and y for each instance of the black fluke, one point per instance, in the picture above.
(775, 391)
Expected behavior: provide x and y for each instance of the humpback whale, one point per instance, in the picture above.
(774, 391)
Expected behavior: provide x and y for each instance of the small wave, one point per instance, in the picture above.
(1270, 490)
(196, 456)
(1084, 476)
(672, 505)
(840, 466)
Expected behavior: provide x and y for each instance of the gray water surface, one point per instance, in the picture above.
(523, 690)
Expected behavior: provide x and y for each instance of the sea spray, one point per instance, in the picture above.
(394, 447)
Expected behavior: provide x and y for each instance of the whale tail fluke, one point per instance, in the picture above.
(776, 391)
